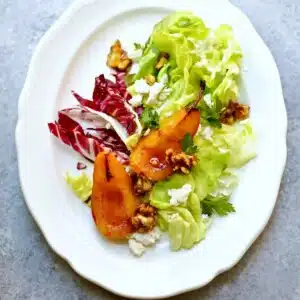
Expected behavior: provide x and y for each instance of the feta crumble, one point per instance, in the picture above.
(136, 100)
(147, 239)
(139, 241)
(180, 196)
(141, 86)
(136, 248)
(154, 91)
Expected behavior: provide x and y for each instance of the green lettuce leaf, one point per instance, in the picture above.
(183, 223)
(147, 62)
(183, 230)
(159, 195)
(81, 185)
(197, 53)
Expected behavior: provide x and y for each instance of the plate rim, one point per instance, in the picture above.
(50, 33)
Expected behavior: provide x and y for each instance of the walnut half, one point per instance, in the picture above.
(145, 218)
(181, 161)
(142, 185)
(117, 58)
(233, 112)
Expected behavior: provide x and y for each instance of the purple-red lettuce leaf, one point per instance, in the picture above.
(111, 98)
(87, 142)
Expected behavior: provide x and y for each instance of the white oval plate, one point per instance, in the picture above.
(68, 57)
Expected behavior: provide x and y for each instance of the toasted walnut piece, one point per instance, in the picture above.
(145, 218)
(234, 112)
(117, 58)
(150, 79)
(181, 161)
(142, 185)
(162, 60)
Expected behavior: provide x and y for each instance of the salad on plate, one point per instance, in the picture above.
(166, 134)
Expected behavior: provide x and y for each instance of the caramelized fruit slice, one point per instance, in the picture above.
(181, 123)
(149, 156)
(113, 201)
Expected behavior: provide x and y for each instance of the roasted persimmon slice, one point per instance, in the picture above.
(113, 200)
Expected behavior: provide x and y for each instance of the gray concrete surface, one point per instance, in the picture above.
(28, 267)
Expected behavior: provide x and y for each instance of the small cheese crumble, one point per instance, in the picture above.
(141, 86)
(147, 239)
(136, 248)
(154, 91)
(107, 126)
(139, 241)
(180, 196)
(136, 100)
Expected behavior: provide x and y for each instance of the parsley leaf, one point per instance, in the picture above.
(219, 206)
(137, 46)
(150, 118)
(212, 113)
(187, 144)
(214, 122)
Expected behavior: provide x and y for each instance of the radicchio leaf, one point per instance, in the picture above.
(88, 145)
(111, 98)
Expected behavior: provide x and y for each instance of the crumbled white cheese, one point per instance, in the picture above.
(147, 239)
(136, 100)
(207, 133)
(108, 126)
(179, 196)
(154, 91)
(136, 248)
(139, 241)
(141, 86)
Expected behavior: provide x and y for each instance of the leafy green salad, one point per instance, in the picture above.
(184, 65)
